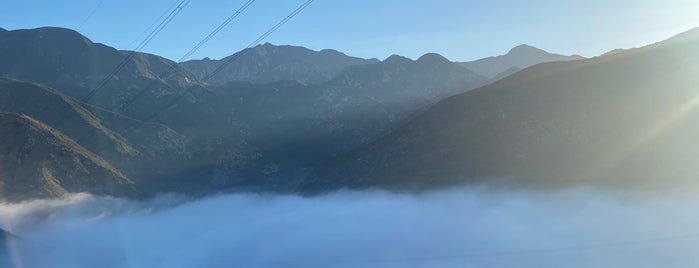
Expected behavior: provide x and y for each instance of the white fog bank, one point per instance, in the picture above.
(468, 227)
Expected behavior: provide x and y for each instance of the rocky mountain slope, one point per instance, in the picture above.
(156, 157)
(71, 63)
(295, 125)
(621, 120)
(38, 161)
(268, 63)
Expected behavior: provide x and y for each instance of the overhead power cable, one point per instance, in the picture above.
(155, 22)
(173, 67)
(216, 31)
(89, 15)
(261, 38)
(228, 61)
(138, 48)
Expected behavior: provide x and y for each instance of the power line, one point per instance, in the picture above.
(174, 4)
(90, 15)
(138, 48)
(215, 31)
(194, 49)
(228, 61)
(262, 37)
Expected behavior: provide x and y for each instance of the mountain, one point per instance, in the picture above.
(38, 161)
(521, 57)
(154, 156)
(269, 63)
(628, 119)
(613, 51)
(71, 63)
(298, 126)
(63, 113)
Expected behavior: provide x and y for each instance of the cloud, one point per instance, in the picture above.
(471, 227)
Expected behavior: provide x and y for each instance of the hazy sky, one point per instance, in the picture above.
(458, 29)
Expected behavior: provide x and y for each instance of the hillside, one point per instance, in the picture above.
(623, 120)
(74, 65)
(298, 126)
(38, 161)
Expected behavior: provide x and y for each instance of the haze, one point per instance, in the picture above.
(461, 227)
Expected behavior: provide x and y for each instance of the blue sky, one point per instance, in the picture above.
(458, 29)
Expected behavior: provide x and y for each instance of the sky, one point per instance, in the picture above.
(461, 30)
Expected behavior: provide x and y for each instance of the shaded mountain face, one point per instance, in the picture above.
(38, 161)
(520, 57)
(63, 113)
(154, 156)
(295, 125)
(269, 63)
(623, 120)
(71, 63)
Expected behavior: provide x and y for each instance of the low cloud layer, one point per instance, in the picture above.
(469, 227)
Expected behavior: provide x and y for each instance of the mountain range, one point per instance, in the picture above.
(277, 118)
(627, 119)
(268, 63)
(516, 59)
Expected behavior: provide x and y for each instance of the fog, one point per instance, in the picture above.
(466, 227)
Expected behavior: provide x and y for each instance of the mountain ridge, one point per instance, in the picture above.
(609, 121)
(521, 56)
(56, 164)
(267, 63)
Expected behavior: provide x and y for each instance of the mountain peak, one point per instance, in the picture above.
(433, 58)
(524, 49)
(58, 35)
(397, 59)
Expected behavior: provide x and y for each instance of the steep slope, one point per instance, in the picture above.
(294, 125)
(65, 114)
(38, 161)
(521, 57)
(74, 65)
(627, 119)
(269, 63)
(156, 157)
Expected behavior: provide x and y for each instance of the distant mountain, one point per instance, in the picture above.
(628, 119)
(520, 57)
(269, 63)
(296, 125)
(67, 61)
(38, 161)
(613, 51)
(506, 73)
